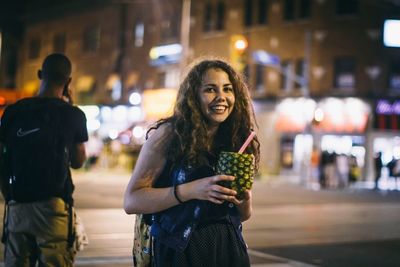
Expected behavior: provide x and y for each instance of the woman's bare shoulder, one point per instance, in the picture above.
(161, 136)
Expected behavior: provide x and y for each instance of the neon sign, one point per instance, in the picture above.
(385, 107)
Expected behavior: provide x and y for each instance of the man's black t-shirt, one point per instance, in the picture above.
(70, 121)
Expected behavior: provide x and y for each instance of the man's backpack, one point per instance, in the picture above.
(36, 152)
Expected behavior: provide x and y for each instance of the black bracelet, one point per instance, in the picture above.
(176, 195)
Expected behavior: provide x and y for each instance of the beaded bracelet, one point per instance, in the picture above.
(176, 195)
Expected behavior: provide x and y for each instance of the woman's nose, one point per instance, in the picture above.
(221, 95)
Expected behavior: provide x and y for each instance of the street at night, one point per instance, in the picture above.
(306, 92)
(290, 225)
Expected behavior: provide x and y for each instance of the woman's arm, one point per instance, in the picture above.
(141, 197)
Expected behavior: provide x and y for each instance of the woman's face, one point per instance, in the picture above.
(216, 96)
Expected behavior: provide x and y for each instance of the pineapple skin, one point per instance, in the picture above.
(239, 165)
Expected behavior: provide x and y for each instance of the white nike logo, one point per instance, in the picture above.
(21, 133)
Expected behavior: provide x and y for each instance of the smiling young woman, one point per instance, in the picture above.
(196, 220)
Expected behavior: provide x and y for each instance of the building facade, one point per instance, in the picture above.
(316, 68)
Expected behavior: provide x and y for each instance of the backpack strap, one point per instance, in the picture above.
(70, 201)
(71, 232)
(5, 223)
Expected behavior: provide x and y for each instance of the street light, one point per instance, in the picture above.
(238, 49)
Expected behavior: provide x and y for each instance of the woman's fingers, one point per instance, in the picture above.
(223, 190)
(222, 177)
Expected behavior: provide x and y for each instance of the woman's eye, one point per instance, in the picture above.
(209, 89)
(228, 89)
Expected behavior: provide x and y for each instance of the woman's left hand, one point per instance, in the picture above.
(246, 197)
(244, 205)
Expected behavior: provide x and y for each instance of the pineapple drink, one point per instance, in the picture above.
(239, 165)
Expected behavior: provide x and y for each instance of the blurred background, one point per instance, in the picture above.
(324, 75)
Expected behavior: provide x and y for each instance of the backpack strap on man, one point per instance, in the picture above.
(71, 232)
(5, 223)
(70, 201)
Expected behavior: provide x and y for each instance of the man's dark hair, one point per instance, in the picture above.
(56, 68)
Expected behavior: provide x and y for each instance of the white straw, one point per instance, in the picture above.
(247, 142)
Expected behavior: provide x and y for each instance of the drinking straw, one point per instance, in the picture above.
(247, 142)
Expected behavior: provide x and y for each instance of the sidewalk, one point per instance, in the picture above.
(111, 243)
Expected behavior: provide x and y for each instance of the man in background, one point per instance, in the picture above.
(40, 139)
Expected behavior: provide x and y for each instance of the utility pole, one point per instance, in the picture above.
(307, 63)
(185, 33)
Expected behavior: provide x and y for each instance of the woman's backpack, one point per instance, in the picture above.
(142, 243)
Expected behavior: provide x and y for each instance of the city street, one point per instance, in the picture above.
(290, 226)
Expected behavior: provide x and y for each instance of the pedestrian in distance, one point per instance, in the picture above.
(40, 139)
(378, 168)
(394, 169)
(195, 220)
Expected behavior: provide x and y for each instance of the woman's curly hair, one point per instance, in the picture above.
(190, 142)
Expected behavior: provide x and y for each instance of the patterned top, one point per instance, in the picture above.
(174, 226)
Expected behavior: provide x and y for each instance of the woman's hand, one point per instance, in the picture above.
(246, 197)
(208, 189)
(245, 206)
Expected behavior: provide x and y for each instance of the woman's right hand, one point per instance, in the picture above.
(208, 189)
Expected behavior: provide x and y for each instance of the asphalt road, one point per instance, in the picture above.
(290, 225)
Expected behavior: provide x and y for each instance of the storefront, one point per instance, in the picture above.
(384, 137)
(122, 128)
(307, 130)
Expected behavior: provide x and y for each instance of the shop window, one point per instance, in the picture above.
(59, 41)
(286, 75)
(167, 78)
(34, 48)
(214, 17)
(220, 16)
(287, 152)
(172, 78)
(305, 9)
(289, 10)
(255, 14)
(299, 68)
(262, 12)
(248, 12)
(139, 34)
(161, 79)
(394, 77)
(344, 73)
(260, 77)
(208, 22)
(91, 39)
(347, 7)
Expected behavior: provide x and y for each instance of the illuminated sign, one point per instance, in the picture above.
(165, 54)
(385, 107)
(264, 58)
(387, 115)
(334, 115)
(391, 33)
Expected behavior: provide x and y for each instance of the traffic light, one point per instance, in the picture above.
(238, 52)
